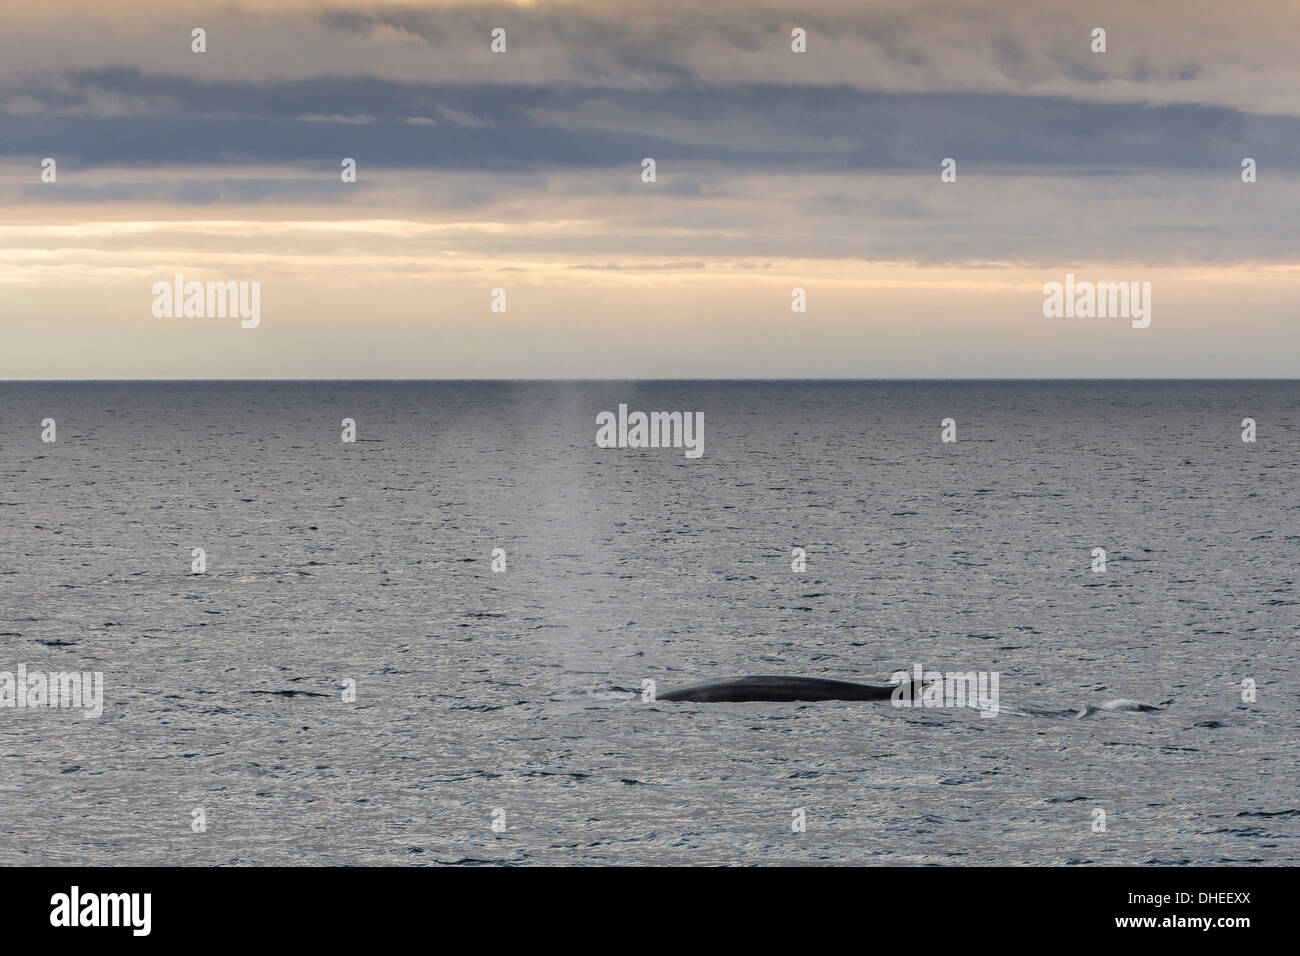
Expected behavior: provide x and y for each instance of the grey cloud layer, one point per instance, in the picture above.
(525, 128)
(761, 152)
(1190, 51)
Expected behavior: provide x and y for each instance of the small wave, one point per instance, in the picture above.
(615, 693)
(1123, 703)
(597, 693)
(1069, 713)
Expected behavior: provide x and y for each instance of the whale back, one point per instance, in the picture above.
(775, 688)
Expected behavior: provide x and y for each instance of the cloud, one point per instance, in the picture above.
(1240, 56)
(820, 167)
(764, 126)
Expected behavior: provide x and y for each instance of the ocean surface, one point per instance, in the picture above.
(520, 691)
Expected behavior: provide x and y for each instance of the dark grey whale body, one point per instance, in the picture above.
(736, 689)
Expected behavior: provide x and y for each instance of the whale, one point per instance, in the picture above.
(776, 688)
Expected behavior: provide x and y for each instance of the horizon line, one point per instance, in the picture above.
(792, 380)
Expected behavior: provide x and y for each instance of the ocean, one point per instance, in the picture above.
(498, 714)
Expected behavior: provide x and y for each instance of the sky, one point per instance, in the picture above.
(774, 170)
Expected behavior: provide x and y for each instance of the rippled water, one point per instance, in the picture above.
(520, 690)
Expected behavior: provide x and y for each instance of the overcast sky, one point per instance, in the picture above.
(819, 170)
